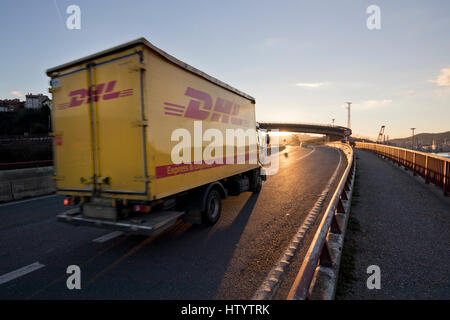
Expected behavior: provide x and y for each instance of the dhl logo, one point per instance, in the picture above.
(103, 91)
(200, 107)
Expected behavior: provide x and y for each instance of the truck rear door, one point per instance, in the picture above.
(120, 133)
(101, 128)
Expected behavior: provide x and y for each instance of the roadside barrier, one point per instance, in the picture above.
(326, 246)
(25, 164)
(21, 183)
(432, 168)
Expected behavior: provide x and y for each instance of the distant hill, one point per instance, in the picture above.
(423, 139)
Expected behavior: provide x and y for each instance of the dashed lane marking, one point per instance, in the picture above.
(20, 272)
(108, 237)
(306, 155)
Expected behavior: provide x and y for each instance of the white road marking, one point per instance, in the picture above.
(108, 236)
(304, 156)
(20, 272)
(28, 200)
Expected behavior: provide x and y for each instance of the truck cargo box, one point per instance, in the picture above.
(114, 114)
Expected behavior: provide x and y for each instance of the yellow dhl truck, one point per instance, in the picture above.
(119, 117)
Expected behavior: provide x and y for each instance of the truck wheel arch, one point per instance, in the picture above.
(214, 185)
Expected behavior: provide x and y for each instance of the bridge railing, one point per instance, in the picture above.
(432, 168)
(306, 127)
(302, 123)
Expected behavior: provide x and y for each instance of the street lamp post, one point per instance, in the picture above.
(348, 117)
(412, 138)
(348, 114)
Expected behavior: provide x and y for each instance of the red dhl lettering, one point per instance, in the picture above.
(94, 93)
(200, 107)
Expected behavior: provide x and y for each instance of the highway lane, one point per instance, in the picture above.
(227, 261)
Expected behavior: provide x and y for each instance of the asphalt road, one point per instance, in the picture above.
(227, 261)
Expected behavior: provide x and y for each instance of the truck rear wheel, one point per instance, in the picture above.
(213, 208)
(256, 181)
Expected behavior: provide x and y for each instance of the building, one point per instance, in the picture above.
(35, 101)
(8, 105)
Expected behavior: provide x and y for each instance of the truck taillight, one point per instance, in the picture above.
(141, 208)
(71, 201)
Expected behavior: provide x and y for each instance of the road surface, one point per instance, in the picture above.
(227, 261)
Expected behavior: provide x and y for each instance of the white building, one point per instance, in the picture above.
(35, 101)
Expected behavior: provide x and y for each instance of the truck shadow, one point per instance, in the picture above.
(189, 262)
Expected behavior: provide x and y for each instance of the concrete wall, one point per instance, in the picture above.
(22, 183)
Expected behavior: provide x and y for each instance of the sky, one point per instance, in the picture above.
(301, 60)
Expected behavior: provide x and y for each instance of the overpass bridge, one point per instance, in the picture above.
(329, 130)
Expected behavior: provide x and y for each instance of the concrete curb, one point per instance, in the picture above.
(22, 183)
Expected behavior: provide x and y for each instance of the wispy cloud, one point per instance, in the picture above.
(372, 104)
(443, 79)
(311, 84)
(17, 93)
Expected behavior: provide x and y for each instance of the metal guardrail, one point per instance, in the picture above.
(25, 164)
(319, 251)
(22, 138)
(432, 168)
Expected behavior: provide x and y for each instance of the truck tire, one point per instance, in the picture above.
(256, 181)
(258, 184)
(213, 208)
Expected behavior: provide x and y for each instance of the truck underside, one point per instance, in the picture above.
(201, 205)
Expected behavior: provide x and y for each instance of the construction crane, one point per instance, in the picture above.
(380, 135)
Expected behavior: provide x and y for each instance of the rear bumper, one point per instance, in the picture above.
(150, 224)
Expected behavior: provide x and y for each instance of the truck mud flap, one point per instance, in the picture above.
(150, 224)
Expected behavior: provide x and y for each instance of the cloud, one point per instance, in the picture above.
(443, 79)
(17, 93)
(373, 104)
(311, 84)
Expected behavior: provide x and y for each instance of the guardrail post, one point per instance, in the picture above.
(340, 207)
(346, 188)
(325, 259)
(414, 164)
(405, 161)
(335, 228)
(426, 170)
(445, 178)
